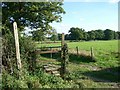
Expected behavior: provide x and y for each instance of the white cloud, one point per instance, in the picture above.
(61, 27)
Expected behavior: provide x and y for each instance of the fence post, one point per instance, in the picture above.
(17, 46)
(62, 70)
(64, 60)
(92, 54)
(77, 50)
(51, 53)
(62, 43)
(63, 38)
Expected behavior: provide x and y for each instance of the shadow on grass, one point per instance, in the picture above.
(105, 75)
(80, 58)
(72, 57)
(56, 56)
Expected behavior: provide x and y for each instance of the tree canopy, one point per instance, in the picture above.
(81, 34)
(76, 33)
(33, 14)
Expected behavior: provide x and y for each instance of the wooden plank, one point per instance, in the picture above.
(17, 45)
(44, 52)
(51, 69)
(45, 67)
(55, 72)
(53, 47)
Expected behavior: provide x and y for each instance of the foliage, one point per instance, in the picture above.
(109, 34)
(26, 14)
(99, 34)
(91, 35)
(54, 35)
(81, 34)
(118, 34)
(27, 46)
(39, 80)
(38, 35)
(8, 50)
(76, 33)
(10, 81)
(59, 36)
(34, 14)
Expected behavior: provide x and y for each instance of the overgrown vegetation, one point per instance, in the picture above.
(106, 67)
(79, 70)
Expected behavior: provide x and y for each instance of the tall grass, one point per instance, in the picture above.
(106, 52)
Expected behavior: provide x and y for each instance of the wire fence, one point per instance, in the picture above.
(78, 52)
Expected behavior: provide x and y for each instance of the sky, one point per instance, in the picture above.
(89, 15)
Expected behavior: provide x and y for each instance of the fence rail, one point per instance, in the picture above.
(44, 52)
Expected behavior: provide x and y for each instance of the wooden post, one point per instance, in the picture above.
(63, 37)
(17, 45)
(51, 53)
(92, 54)
(64, 60)
(62, 44)
(64, 56)
(77, 50)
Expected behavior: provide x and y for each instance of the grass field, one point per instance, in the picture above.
(105, 69)
(85, 45)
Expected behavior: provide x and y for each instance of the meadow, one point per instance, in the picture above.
(102, 73)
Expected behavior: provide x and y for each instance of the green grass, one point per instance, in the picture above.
(111, 45)
(106, 52)
(106, 55)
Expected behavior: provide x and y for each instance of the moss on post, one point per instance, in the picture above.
(64, 60)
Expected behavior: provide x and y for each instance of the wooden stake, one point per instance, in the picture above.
(77, 50)
(17, 45)
(63, 37)
(62, 44)
(62, 57)
(92, 54)
(51, 53)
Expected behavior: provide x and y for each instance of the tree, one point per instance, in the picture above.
(59, 36)
(91, 35)
(86, 36)
(33, 14)
(27, 14)
(116, 35)
(76, 33)
(118, 32)
(99, 34)
(109, 34)
(38, 35)
(81, 33)
(67, 37)
(54, 34)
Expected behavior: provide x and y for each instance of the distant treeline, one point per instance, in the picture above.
(81, 34)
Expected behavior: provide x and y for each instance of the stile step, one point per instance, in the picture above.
(50, 69)
(55, 72)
